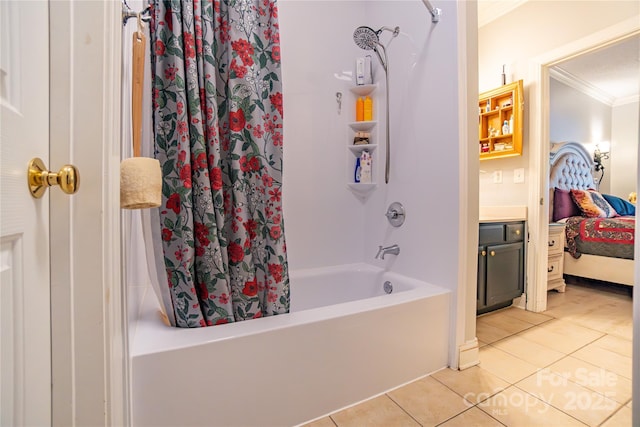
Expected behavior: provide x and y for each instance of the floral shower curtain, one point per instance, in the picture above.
(217, 98)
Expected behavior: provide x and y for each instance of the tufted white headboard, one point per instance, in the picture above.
(570, 167)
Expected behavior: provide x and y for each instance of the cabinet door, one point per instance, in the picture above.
(482, 283)
(505, 272)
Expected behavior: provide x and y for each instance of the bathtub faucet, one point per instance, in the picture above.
(393, 250)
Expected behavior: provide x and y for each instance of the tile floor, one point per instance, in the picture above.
(568, 366)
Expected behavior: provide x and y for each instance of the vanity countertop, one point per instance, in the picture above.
(502, 213)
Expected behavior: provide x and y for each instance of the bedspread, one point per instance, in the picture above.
(612, 237)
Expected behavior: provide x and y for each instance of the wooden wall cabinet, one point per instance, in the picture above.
(497, 106)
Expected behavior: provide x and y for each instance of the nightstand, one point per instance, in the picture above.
(555, 260)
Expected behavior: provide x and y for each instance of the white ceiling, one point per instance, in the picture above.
(610, 74)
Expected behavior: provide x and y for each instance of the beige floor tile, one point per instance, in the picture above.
(581, 403)
(429, 401)
(622, 328)
(622, 418)
(474, 384)
(380, 411)
(606, 359)
(610, 321)
(514, 407)
(322, 422)
(504, 322)
(481, 343)
(561, 335)
(630, 404)
(526, 316)
(504, 365)
(615, 344)
(488, 333)
(529, 351)
(595, 378)
(473, 417)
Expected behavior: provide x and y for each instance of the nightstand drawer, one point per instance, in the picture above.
(554, 267)
(556, 245)
(556, 239)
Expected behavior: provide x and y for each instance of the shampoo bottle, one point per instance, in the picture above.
(359, 109)
(365, 167)
(368, 109)
(357, 171)
(505, 128)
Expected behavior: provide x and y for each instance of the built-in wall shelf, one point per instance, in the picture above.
(363, 90)
(361, 189)
(363, 126)
(357, 149)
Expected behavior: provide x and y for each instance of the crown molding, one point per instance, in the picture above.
(583, 86)
(490, 10)
(626, 100)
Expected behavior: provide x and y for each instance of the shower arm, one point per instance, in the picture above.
(435, 11)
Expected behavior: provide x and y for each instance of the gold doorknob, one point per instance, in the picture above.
(493, 253)
(39, 178)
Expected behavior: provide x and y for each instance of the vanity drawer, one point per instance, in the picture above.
(515, 232)
(491, 233)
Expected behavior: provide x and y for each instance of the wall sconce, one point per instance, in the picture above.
(598, 157)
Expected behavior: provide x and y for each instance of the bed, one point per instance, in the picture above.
(600, 247)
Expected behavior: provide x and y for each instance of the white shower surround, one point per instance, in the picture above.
(344, 341)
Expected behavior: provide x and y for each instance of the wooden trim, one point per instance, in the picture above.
(538, 86)
(464, 303)
(89, 351)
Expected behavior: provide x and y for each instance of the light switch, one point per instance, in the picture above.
(497, 177)
(518, 175)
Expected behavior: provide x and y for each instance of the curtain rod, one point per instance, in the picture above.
(128, 13)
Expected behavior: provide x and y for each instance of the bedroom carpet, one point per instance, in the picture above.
(568, 366)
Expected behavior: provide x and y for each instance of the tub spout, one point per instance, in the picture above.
(393, 250)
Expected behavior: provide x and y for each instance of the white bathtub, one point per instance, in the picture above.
(345, 340)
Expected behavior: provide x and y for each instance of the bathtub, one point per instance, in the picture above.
(344, 341)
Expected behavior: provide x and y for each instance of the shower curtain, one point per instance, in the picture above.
(217, 109)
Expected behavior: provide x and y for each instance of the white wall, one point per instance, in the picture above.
(624, 148)
(535, 28)
(326, 224)
(575, 116)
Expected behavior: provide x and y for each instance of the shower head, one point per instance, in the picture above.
(366, 38)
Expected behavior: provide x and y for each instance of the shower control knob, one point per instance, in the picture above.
(395, 214)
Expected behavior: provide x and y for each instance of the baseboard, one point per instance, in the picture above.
(468, 354)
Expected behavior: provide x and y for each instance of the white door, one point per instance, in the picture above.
(25, 339)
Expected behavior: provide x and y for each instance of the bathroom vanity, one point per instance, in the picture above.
(501, 255)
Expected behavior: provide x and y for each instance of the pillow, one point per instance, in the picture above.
(563, 205)
(620, 205)
(592, 204)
